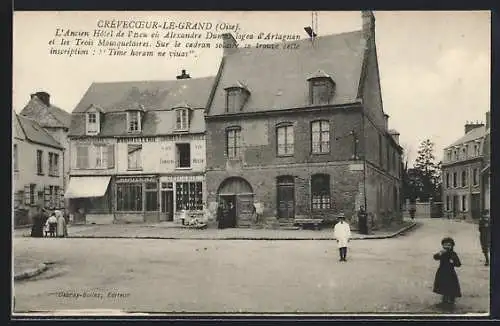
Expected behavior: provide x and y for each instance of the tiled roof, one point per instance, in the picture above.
(153, 123)
(277, 79)
(35, 133)
(47, 116)
(476, 133)
(152, 95)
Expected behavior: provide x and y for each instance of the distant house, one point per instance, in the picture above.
(302, 133)
(54, 120)
(138, 151)
(462, 164)
(37, 166)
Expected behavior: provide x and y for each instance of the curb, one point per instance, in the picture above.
(369, 237)
(31, 272)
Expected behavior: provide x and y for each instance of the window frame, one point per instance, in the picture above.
(464, 180)
(325, 88)
(447, 180)
(136, 115)
(101, 156)
(178, 156)
(79, 158)
(287, 143)
(138, 157)
(324, 200)
(235, 144)
(475, 176)
(92, 123)
(189, 195)
(151, 192)
(180, 124)
(464, 204)
(136, 205)
(39, 162)
(321, 139)
(455, 179)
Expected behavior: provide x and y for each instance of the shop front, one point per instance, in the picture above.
(181, 192)
(89, 199)
(137, 199)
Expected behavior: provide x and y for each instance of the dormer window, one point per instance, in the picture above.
(134, 121)
(182, 119)
(236, 97)
(92, 122)
(321, 88)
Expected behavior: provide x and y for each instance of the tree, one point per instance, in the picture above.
(426, 176)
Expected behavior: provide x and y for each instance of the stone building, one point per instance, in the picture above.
(36, 169)
(138, 151)
(461, 170)
(54, 120)
(302, 133)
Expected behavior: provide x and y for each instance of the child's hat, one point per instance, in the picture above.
(448, 240)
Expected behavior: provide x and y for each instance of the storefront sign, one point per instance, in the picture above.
(136, 179)
(182, 178)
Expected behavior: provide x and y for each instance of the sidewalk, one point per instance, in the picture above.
(142, 231)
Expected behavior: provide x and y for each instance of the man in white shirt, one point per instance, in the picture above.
(342, 233)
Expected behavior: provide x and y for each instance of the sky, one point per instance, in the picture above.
(434, 66)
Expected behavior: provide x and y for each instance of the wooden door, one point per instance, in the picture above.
(286, 201)
(244, 209)
(167, 205)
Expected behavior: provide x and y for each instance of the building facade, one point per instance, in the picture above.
(138, 151)
(486, 170)
(54, 120)
(37, 168)
(462, 164)
(302, 133)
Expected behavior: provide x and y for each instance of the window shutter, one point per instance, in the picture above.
(27, 198)
(111, 156)
(46, 199)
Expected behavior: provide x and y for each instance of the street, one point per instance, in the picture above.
(381, 276)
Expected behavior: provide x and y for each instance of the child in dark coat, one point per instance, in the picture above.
(446, 281)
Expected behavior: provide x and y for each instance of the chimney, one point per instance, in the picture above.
(42, 96)
(183, 75)
(386, 121)
(487, 120)
(229, 44)
(368, 24)
(470, 125)
(395, 135)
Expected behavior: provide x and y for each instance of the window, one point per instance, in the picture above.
(82, 157)
(475, 177)
(464, 178)
(448, 199)
(447, 180)
(320, 137)
(53, 164)
(233, 137)
(320, 190)
(56, 196)
(449, 153)
(39, 162)
(92, 123)
(189, 196)
(285, 140)
(14, 158)
(455, 179)
(476, 149)
(101, 157)
(32, 194)
(151, 196)
(134, 157)
(464, 153)
(321, 91)
(129, 197)
(455, 153)
(182, 119)
(183, 155)
(236, 97)
(134, 121)
(40, 196)
(464, 203)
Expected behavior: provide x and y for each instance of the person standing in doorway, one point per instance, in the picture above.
(484, 235)
(362, 220)
(342, 233)
(232, 215)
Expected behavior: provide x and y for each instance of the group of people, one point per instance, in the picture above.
(446, 281)
(49, 224)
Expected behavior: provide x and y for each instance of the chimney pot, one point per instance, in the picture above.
(183, 75)
(43, 96)
(386, 121)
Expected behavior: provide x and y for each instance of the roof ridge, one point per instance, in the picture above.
(149, 81)
(42, 129)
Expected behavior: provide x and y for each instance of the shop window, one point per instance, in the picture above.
(129, 197)
(189, 196)
(320, 136)
(320, 191)
(134, 157)
(151, 196)
(183, 155)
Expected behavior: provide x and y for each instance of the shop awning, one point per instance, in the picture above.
(84, 187)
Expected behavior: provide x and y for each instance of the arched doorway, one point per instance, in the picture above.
(235, 197)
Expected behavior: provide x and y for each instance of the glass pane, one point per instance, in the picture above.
(281, 135)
